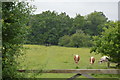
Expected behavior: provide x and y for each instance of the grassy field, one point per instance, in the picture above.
(53, 57)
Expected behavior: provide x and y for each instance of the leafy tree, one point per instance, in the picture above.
(109, 42)
(94, 22)
(78, 23)
(43, 28)
(15, 16)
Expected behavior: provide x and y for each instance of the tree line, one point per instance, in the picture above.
(49, 27)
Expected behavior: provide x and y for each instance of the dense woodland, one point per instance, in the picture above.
(60, 29)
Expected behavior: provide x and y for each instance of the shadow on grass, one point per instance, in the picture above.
(115, 67)
(76, 67)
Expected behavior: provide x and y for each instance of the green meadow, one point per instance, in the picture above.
(39, 57)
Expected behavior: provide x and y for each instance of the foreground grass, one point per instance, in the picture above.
(53, 57)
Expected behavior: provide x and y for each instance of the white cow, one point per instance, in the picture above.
(104, 59)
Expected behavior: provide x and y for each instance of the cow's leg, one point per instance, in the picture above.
(99, 62)
(77, 66)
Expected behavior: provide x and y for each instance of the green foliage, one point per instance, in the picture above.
(79, 39)
(109, 42)
(47, 27)
(64, 41)
(78, 23)
(94, 22)
(15, 16)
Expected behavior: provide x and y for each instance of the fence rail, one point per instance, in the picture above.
(81, 71)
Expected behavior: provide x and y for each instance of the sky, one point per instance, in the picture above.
(82, 7)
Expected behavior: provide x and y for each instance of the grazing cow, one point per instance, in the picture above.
(92, 60)
(76, 58)
(104, 59)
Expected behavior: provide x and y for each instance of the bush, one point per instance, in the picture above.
(64, 41)
(79, 39)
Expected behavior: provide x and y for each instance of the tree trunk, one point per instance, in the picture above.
(108, 64)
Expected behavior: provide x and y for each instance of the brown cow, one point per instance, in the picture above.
(92, 60)
(76, 58)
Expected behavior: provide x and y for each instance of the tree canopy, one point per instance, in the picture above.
(49, 26)
(94, 23)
